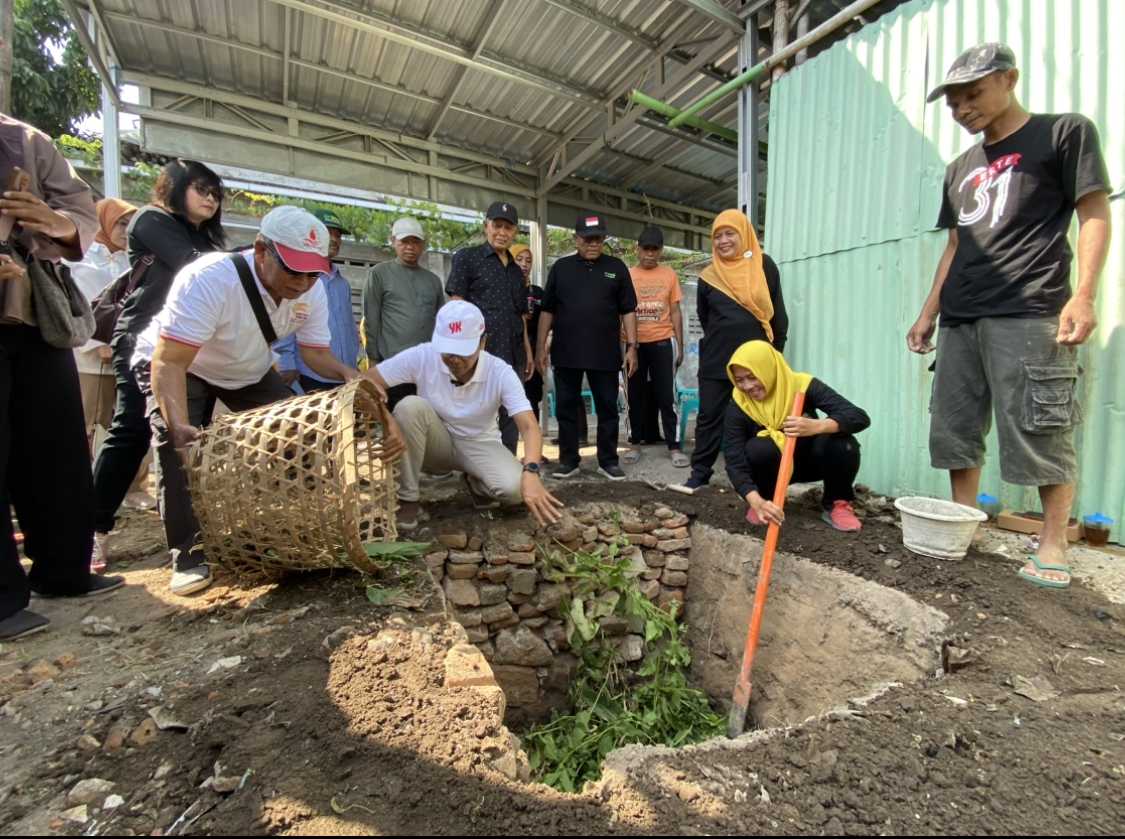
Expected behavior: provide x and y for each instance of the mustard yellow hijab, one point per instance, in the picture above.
(781, 383)
(516, 250)
(742, 278)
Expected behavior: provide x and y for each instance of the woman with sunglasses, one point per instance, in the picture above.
(182, 222)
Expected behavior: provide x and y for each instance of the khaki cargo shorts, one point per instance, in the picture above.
(1015, 366)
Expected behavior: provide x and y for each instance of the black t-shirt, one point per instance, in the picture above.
(1012, 203)
(727, 325)
(500, 292)
(534, 305)
(588, 300)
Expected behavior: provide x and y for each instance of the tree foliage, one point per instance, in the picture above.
(51, 95)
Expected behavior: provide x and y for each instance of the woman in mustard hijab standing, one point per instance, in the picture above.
(739, 300)
(759, 420)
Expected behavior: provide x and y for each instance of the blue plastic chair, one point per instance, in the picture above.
(687, 406)
(585, 394)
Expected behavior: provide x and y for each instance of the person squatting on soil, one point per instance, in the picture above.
(182, 222)
(759, 420)
(105, 261)
(345, 344)
(401, 300)
(44, 459)
(588, 300)
(739, 299)
(1010, 328)
(488, 277)
(453, 421)
(660, 350)
(212, 341)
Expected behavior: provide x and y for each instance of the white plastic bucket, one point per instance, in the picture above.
(941, 529)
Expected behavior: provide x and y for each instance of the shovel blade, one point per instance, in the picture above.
(736, 722)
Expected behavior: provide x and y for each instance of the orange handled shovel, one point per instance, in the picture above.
(736, 724)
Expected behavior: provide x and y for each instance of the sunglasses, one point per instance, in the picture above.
(204, 190)
(284, 267)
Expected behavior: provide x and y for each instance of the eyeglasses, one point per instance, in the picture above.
(284, 267)
(204, 191)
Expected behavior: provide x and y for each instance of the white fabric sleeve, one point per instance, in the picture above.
(404, 368)
(195, 304)
(314, 332)
(513, 396)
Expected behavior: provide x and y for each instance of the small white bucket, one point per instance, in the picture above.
(941, 529)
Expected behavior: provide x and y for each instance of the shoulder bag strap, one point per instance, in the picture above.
(251, 289)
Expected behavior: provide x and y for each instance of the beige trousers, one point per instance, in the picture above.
(492, 469)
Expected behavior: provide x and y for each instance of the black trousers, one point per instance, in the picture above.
(181, 527)
(568, 392)
(509, 431)
(125, 446)
(714, 396)
(655, 361)
(311, 385)
(832, 458)
(399, 392)
(44, 470)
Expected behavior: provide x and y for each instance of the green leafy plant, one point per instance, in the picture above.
(613, 706)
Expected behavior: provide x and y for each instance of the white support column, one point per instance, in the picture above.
(748, 127)
(111, 141)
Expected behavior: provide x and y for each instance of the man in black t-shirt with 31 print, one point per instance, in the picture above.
(1010, 327)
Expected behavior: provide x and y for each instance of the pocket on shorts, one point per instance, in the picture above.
(1050, 401)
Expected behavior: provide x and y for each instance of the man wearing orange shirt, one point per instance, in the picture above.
(660, 333)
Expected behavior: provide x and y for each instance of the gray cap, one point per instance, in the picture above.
(976, 63)
(408, 226)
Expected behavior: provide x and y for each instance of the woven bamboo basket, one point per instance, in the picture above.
(294, 486)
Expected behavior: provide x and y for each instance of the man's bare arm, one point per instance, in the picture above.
(170, 363)
(919, 338)
(1079, 317)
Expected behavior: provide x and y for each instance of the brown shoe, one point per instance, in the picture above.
(408, 514)
(480, 502)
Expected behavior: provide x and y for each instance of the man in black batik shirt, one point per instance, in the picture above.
(1010, 326)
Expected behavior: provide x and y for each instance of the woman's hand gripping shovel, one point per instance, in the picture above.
(736, 724)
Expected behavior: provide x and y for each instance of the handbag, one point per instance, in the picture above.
(65, 318)
(110, 300)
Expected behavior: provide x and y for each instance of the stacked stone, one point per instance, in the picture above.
(499, 594)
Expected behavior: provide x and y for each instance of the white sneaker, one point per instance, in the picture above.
(99, 557)
(190, 581)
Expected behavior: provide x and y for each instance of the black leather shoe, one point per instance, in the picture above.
(22, 624)
(98, 585)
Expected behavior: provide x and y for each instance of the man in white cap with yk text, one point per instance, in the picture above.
(213, 340)
(452, 422)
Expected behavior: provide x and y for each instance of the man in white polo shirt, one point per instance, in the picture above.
(452, 422)
(212, 341)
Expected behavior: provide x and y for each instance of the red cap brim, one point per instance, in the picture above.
(304, 261)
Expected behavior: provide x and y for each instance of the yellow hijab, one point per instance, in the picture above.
(742, 278)
(516, 250)
(781, 383)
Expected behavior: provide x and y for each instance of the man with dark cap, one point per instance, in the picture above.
(345, 345)
(660, 333)
(1010, 324)
(488, 277)
(588, 299)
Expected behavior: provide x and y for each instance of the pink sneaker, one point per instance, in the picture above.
(100, 556)
(752, 517)
(842, 517)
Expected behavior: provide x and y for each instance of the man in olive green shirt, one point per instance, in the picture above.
(400, 302)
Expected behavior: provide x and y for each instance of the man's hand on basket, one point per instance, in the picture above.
(394, 444)
(182, 438)
(544, 506)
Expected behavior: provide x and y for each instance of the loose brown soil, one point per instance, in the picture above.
(324, 725)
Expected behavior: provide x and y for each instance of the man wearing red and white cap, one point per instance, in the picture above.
(453, 421)
(210, 341)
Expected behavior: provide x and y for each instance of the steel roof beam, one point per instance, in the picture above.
(80, 27)
(491, 17)
(718, 13)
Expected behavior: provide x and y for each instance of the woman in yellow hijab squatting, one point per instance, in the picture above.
(758, 421)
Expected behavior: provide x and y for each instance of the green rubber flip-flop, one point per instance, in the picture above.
(1039, 581)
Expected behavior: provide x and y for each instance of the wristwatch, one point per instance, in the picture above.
(635, 345)
(531, 467)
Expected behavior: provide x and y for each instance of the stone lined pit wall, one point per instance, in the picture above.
(495, 588)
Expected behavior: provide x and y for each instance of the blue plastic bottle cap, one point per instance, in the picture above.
(1098, 518)
(985, 498)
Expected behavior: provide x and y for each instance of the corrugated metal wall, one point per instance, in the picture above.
(856, 167)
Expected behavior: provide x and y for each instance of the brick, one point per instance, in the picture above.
(496, 613)
(636, 538)
(497, 559)
(652, 574)
(587, 519)
(476, 543)
(520, 684)
(520, 543)
(466, 557)
(522, 581)
(614, 625)
(491, 595)
(458, 540)
(439, 573)
(651, 525)
(664, 533)
(436, 559)
(477, 634)
(656, 559)
(633, 527)
(527, 610)
(534, 623)
(466, 667)
(606, 529)
(468, 617)
(670, 596)
(632, 648)
(522, 646)
(649, 541)
(675, 521)
(548, 597)
(507, 623)
(518, 599)
(663, 513)
(673, 545)
(521, 558)
(677, 579)
(650, 589)
(678, 563)
(590, 534)
(680, 533)
(461, 592)
(495, 575)
(460, 572)
(574, 544)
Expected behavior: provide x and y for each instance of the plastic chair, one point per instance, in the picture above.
(686, 394)
(585, 395)
(687, 406)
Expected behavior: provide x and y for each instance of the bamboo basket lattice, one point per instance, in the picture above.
(294, 486)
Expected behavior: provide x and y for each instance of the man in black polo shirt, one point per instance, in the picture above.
(589, 297)
(489, 278)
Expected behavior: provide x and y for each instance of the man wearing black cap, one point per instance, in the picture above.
(589, 297)
(1010, 325)
(660, 333)
(489, 278)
